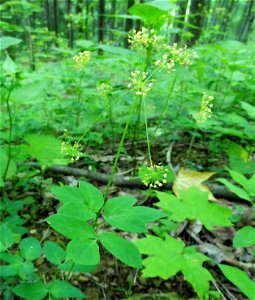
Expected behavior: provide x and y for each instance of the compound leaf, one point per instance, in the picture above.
(168, 256)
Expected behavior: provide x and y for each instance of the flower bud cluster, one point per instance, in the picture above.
(140, 83)
(155, 175)
(206, 108)
(144, 38)
(104, 89)
(81, 59)
(72, 151)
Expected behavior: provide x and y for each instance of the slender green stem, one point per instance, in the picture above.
(70, 271)
(147, 134)
(79, 101)
(120, 148)
(10, 129)
(188, 155)
(165, 105)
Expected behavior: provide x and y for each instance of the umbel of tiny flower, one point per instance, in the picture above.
(81, 59)
(144, 38)
(104, 89)
(155, 176)
(69, 149)
(139, 82)
(175, 55)
(205, 108)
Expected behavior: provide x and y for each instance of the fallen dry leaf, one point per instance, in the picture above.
(187, 178)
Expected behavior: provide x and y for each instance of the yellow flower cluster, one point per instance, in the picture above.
(104, 89)
(206, 108)
(183, 56)
(144, 38)
(154, 176)
(70, 150)
(140, 83)
(81, 59)
(166, 63)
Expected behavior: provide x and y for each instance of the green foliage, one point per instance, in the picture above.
(167, 257)
(239, 279)
(121, 214)
(8, 41)
(193, 204)
(37, 290)
(30, 248)
(245, 237)
(247, 189)
(53, 252)
(12, 169)
(45, 148)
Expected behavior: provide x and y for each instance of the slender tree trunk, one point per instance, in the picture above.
(86, 23)
(182, 7)
(129, 22)
(247, 22)
(47, 13)
(101, 20)
(196, 18)
(112, 20)
(69, 24)
(78, 10)
(55, 20)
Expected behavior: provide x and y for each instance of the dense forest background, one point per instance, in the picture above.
(127, 149)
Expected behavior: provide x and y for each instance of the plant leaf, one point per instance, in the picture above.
(83, 251)
(123, 249)
(241, 193)
(35, 291)
(187, 178)
(245, 237)
(168, 256)
(87, 194)
(77, 210)
(70, 226)
(194, 205)
(120, 213)
(62, 289)
(30, 248)
(239, 279)
(53, 252)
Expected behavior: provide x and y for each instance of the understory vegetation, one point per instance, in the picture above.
(127, 150)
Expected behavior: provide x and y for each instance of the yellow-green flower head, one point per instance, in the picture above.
(140, 83)
(175, 54)
(81, 60)
(69, 150)
(155, 175)
(206, 108)
(145, 38)
(104, 89)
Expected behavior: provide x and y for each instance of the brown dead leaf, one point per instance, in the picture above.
(187, 178)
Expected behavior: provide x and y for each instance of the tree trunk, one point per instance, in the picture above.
(47, 13)
(55, 20)
(196, 18)
(247, 22)
(86, 22)
(101, 20)
(69, 24)
(129, 22)
(112, 19)
(182, 7)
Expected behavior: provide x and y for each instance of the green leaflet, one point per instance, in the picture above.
(30, 248)
(62, 289)
(35, 291)
(194, 205)
(245, 237)
(90, 196)
(53, 252)
(70, 226)
(83, 251)
(169, 256)
(123, 249)
(120, 213)
(239, 279)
